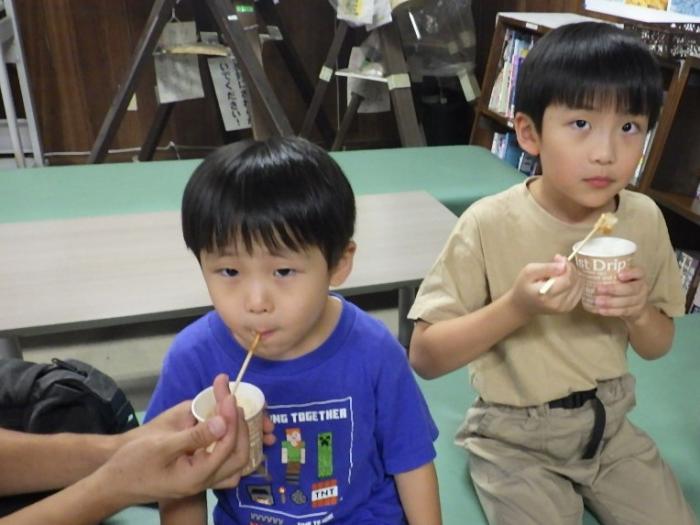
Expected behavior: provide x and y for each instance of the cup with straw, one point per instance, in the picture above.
(250, 398)
(603, 225)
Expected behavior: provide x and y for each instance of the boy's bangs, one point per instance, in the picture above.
(252, 229)
(623, 99)
(595, 82)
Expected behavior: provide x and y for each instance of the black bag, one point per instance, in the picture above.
(65, 396)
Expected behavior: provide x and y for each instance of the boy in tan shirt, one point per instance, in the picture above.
(550, 430)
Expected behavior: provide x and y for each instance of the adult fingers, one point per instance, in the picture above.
(235, 450)
(269, 438)
(221, 389)
(197, 437)
(225, 402)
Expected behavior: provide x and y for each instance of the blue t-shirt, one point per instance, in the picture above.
(352, 409)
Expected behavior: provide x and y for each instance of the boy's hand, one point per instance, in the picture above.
(562, 297)
(626, 299)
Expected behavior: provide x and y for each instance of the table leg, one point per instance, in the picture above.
(406, 297)
(9, 347)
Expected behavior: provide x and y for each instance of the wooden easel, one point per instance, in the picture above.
(230, 26)
(396, 76)
(295, 65)
(11, 52)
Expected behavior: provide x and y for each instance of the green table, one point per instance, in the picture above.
(455, 175)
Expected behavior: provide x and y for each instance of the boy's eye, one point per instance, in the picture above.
(580, 123)
(630, 127)
(229, 272)
(284, 272)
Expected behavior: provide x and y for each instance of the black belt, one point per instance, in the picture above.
(577, 400)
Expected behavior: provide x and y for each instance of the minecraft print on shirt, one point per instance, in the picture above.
(309, 468)
(293, 454)
(325, 455)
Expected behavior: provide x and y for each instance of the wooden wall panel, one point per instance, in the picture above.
(78, 51)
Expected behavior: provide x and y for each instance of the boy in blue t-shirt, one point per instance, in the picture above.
(271, 225)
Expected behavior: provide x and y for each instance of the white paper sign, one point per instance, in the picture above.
(231, 92)
(382, 14)
(376, 94)
(177, 76)
(355, 12)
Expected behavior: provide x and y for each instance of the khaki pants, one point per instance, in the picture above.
(527, 469)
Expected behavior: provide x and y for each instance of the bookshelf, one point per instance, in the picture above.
(515, 33)
(670, 171)
(689, 264)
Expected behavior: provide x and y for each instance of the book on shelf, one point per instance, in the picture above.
(689, 265)
(694, 307)
(505, 146)
(648, 140)
(516, 46)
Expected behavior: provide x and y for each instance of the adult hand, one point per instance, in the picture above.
(220, 469)
(221, 394)
(171, 465)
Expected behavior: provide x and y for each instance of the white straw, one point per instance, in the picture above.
(252, 348)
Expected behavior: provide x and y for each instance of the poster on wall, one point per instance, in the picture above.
(651, 11)
(687, 7)
(661, 5)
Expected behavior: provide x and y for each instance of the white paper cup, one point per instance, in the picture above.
(251, 399)
(599, 261)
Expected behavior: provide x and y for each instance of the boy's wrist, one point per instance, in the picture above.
(516, 309)
(640, 319)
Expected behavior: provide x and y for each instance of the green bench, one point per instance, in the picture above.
(667, 397)
(667, 409)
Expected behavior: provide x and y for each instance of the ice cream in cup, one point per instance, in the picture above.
(599, 261)
(251, 399)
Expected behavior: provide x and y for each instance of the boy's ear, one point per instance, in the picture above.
(344, 265)
(525, 130)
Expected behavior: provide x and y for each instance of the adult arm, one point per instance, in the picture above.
(154, 466)
(418, 492)
(37, 462)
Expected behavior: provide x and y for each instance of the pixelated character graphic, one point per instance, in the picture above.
(293, 454)
(299, 497)
(261, 494)
(324, 493)
(325, 455)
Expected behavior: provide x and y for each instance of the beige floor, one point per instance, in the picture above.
(132, 354)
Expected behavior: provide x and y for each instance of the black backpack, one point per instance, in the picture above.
(65, 396)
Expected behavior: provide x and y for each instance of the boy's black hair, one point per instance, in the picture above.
(587, 65)
(281, 192)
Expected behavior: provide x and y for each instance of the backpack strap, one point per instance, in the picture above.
(120, 411)
(17, 379)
